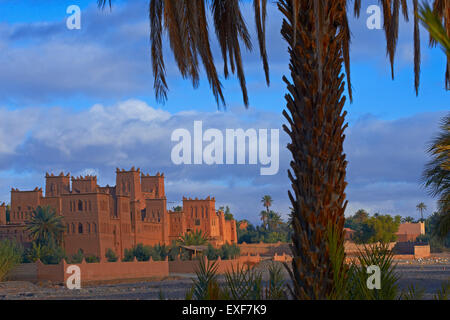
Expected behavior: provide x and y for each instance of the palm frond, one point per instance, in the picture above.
(243, 283)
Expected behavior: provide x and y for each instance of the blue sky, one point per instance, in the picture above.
(82, 101)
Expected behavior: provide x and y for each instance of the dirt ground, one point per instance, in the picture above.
(428, 274)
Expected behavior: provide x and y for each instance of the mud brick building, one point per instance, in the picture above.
(408, 232)
(100, 218)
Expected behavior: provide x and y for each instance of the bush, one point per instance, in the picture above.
(423, 238)
(211, 253)
(229, 251)
(10, 256)
(159, 252)
(77, 257)
(173, 252)
(140, 252)
(111, 256)
(47, 254)
(225, 252)
(92, 259)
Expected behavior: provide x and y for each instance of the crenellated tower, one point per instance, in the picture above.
(56, 185)
(87, 184)
(128, 183)
(2, 214)
(153, 185)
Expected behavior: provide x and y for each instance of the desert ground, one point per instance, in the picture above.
(428, 274)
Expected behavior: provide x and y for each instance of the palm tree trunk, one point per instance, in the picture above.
(316, 129)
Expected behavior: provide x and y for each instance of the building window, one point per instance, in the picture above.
(88, 227)
(80, 205)
(80, 228)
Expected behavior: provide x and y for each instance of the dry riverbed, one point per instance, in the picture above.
(428, 275)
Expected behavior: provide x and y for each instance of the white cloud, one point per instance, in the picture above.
(385, 157)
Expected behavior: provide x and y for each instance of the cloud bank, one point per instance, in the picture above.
(385, 157)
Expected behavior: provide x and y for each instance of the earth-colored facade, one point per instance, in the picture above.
(101, 218)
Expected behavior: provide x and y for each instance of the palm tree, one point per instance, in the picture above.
(274, 220)
(408, 219)
(264, 215)
(193, 238)
(437, 172)
(267, 202)
(421, 207)
(45, 227)
(432, 22)
(318, 37)
(436, 175)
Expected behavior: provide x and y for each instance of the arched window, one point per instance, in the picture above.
(80, 205)
(80, 228)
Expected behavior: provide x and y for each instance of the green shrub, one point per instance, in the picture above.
(47, 254)
(10, 256)
(159, 252)
(140, 252)
(173, 252)
(423, 238)
(92, 259)
(211, 253)
(111, 256)
(229, 251)
(128, 255)
(77, 257)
